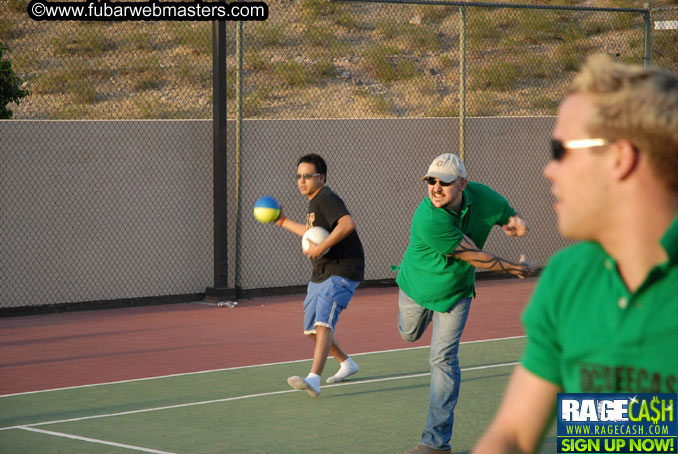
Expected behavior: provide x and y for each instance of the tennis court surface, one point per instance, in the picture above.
(196, 378)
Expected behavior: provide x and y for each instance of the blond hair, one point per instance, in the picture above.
(639, 104)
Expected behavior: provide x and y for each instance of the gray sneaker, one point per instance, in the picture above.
(423, 449)
(299, 383)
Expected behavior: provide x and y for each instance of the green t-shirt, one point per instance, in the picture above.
(587, 333)
(427, 274)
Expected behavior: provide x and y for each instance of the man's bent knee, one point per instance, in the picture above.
(411, 336)
(410, 329)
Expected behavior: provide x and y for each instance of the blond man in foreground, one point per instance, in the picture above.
(604, 315)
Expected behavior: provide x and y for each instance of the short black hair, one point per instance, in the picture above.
(317, 161)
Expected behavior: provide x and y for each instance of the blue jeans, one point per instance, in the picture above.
(445, 371)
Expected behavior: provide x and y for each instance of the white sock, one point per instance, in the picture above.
(345, 365)
(346, 369)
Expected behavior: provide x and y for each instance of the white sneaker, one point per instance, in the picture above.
(348, 368)
(299, 383)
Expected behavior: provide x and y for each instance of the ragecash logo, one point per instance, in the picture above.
(617, 423)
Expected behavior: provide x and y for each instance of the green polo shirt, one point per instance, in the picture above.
(427, 274)
(587, 333)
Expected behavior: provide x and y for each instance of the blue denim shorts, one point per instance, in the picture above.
(325, 301)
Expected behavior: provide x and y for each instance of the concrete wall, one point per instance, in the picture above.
(100, 210)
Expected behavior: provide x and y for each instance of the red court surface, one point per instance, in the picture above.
(55, 351)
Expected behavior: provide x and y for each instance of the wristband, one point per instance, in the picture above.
(282, 219)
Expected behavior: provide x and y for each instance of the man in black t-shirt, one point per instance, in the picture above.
(335, 274)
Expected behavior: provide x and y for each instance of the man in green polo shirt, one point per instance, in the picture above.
(437, 278)
(604, 315)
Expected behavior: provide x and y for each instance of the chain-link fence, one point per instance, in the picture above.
(112, 210)
(322, 59)
(319, 59)
(109, 70)
(114, 206)
(101, 211)
(664, 38)
(483, 81)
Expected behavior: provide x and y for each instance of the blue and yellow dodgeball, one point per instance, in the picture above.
(266, 209)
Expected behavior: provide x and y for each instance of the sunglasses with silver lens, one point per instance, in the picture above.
(432, 181)
(558, 147)
(306, 176)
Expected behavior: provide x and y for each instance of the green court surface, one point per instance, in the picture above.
(252, 410)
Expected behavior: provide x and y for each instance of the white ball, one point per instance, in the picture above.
(315, 235)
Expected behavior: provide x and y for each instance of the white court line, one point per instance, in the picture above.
(239, 367)
(93, 440)
(250, 396)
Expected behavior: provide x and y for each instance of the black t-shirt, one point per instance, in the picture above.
(346, 258)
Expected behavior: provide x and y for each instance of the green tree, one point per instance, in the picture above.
(10, 86)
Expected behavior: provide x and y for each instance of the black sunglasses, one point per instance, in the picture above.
(432, 181)
(558, 147)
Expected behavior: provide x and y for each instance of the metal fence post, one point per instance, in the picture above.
(219, 163)
(238, 147)
(462, 81)
(647, 21)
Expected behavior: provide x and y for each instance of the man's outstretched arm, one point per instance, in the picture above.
(469, 252)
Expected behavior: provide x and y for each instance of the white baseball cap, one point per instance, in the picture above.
(447, 168)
